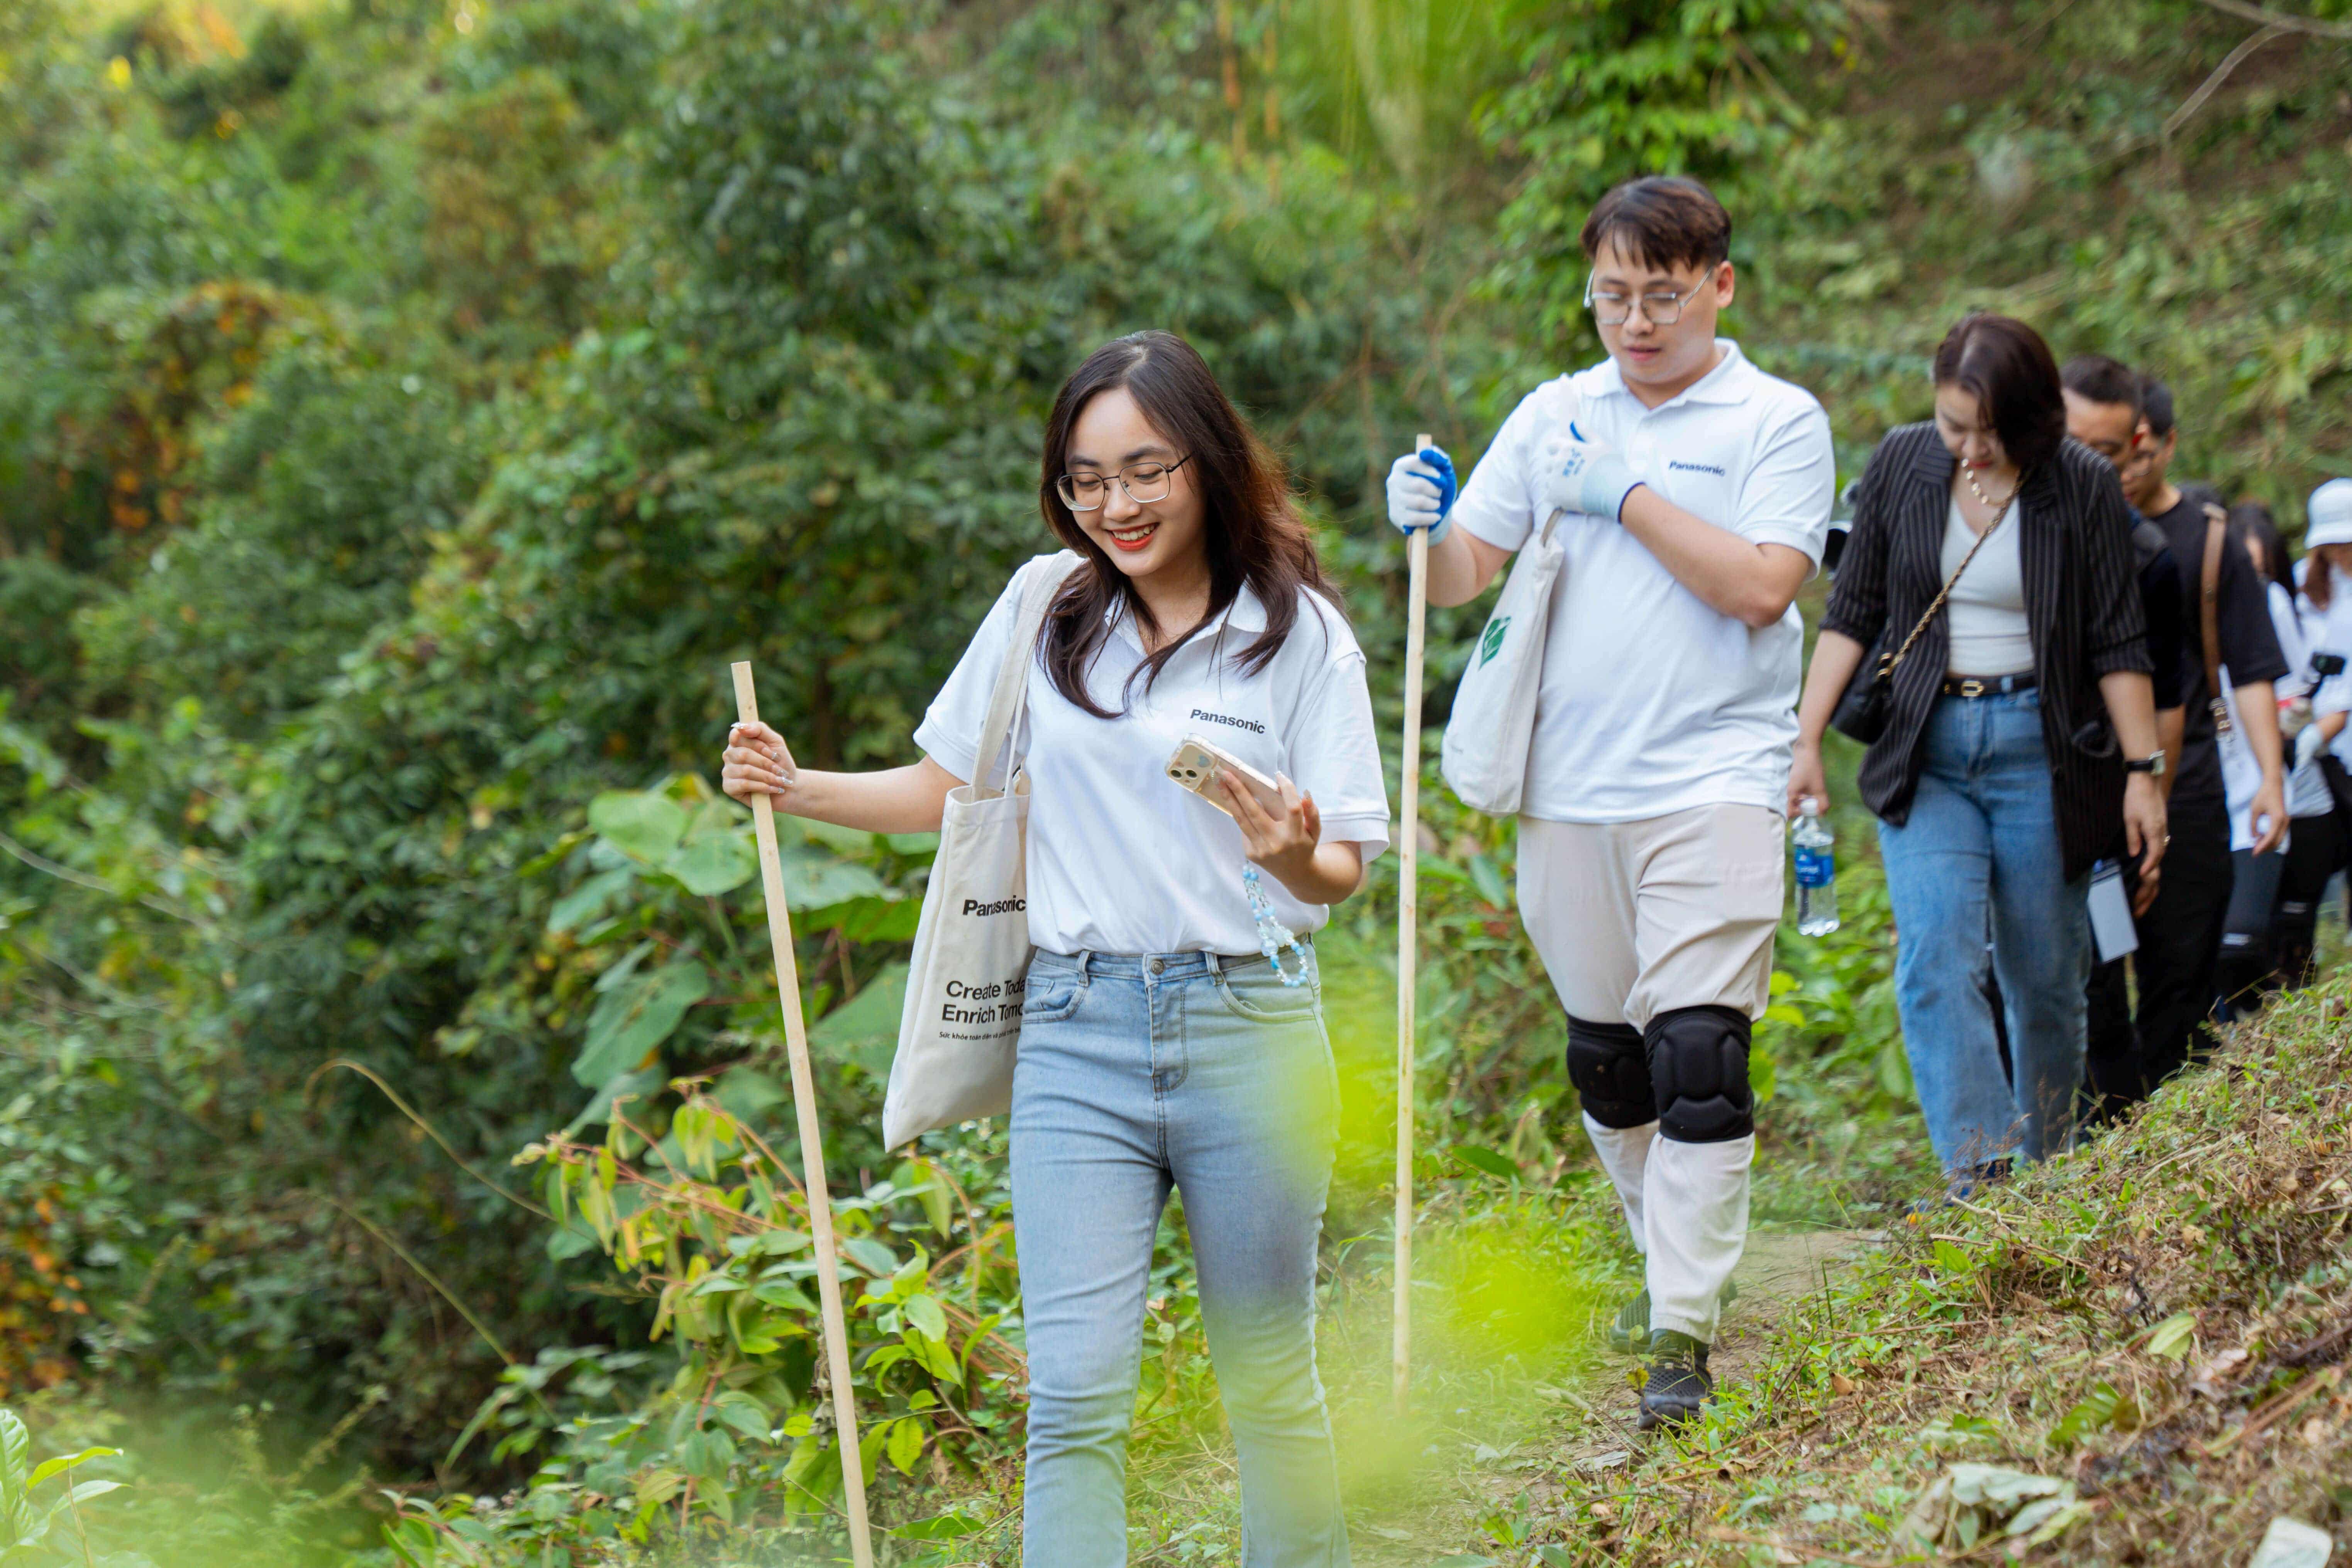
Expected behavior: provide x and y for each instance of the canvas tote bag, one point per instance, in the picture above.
(962, 1019)
(1484, 753)
(1484, 757)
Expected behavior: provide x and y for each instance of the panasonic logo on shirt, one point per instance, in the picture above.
(1251, 725)
(1001, 906)
(1697, 467)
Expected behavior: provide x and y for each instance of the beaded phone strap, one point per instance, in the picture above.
(1273, 936)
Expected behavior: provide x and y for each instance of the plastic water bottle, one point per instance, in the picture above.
(1817, 913)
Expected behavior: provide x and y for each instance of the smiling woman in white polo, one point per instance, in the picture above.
(1162, 1045)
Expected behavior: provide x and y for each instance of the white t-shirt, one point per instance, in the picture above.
(1651, 701)
(1986, 612)
(2242, 775)
(2330, 631)
(1123, 859)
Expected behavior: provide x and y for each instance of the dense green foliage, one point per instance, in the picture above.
(406, 410)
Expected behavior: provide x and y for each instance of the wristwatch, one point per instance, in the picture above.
(2152, 764)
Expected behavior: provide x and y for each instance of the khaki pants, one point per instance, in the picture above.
(1635, 918)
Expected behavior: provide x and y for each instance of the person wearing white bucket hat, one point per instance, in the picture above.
(2319, 847)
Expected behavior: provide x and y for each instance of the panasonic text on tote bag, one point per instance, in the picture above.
(962, 1025)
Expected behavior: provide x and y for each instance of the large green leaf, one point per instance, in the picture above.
(632, 1018)
(814, 877)
(712, 863)
(864, 919)
(863, 1030)
(641, 823)
(14, 1443)
(1486, 1159)
(589, 899)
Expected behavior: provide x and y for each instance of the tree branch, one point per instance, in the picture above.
(2221, 74)
(2270, 18)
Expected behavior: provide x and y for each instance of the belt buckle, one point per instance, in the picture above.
(1971, 687)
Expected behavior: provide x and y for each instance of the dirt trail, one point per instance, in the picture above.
(1778, 1266)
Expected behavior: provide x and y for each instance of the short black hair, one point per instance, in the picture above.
(2156, 406)
(2097, 378)
(1660, 220)
(2015, 379)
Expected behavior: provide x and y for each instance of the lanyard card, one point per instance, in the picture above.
(2111, 916)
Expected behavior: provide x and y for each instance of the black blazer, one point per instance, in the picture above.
(2081, 606)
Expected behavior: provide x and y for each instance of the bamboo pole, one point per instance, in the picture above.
(828, 1271)
(1408, 941)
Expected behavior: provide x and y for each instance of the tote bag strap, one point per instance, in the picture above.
(1010, 699)
(2209, 614)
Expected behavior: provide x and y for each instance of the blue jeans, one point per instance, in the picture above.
(1980, 855)
(1207, 1074)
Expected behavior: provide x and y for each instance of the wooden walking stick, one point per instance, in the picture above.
(828, 1271)
(1416, 554)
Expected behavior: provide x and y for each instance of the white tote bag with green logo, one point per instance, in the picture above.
(962, 1019)
(1484, 757)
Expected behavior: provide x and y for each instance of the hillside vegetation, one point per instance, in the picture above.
(409, 407)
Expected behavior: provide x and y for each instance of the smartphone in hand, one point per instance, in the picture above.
(1197, 762)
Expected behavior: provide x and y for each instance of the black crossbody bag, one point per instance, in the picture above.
(1868, 700)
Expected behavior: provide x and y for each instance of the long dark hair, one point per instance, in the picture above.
(2015, 379)
(1254, 532)
(2252, 520)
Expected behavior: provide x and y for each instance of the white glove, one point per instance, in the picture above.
(2308, 743)
(1583, 476)
(1420, 497)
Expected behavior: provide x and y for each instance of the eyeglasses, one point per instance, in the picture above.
(1664, 308)
(1143, 482)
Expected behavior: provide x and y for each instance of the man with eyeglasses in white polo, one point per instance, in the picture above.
(1699, 492)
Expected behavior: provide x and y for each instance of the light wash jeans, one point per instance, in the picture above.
(1210, 1075)
(1980, 854)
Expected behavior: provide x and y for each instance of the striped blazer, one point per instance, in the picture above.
(2081, 607)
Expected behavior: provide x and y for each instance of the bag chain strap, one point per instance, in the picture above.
(1888, 663)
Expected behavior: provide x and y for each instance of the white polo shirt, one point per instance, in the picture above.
(1651, 702)
(1121, 859)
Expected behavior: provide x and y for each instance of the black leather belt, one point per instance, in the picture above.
(1989, 685)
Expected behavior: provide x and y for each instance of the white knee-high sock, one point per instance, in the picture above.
(1695, 1200)
(1626, 1154)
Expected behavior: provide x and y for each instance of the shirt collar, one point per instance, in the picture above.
(1245, 616)
(1719, 385)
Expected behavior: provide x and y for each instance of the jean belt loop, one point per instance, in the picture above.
(1216, 965)
(1085, 967)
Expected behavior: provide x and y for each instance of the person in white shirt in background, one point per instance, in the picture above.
(1699, 491)
(2246, 971)
(2324, 749)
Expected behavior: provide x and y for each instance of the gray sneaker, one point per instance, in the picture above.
(1677, 1386)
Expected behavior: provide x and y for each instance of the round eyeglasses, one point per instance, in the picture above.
(1661, 307)
(1143, 482)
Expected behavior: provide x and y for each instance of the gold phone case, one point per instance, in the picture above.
(1196, 763)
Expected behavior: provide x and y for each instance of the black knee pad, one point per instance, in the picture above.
(1611, 1072)
(1698, 1073)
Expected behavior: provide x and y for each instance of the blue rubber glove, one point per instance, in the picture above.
(1583, 476)
(1422, 489)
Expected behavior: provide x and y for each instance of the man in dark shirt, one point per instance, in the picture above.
(2103, 411)
(2181, 930)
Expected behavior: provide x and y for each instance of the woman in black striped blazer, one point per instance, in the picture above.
(2021, 728)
